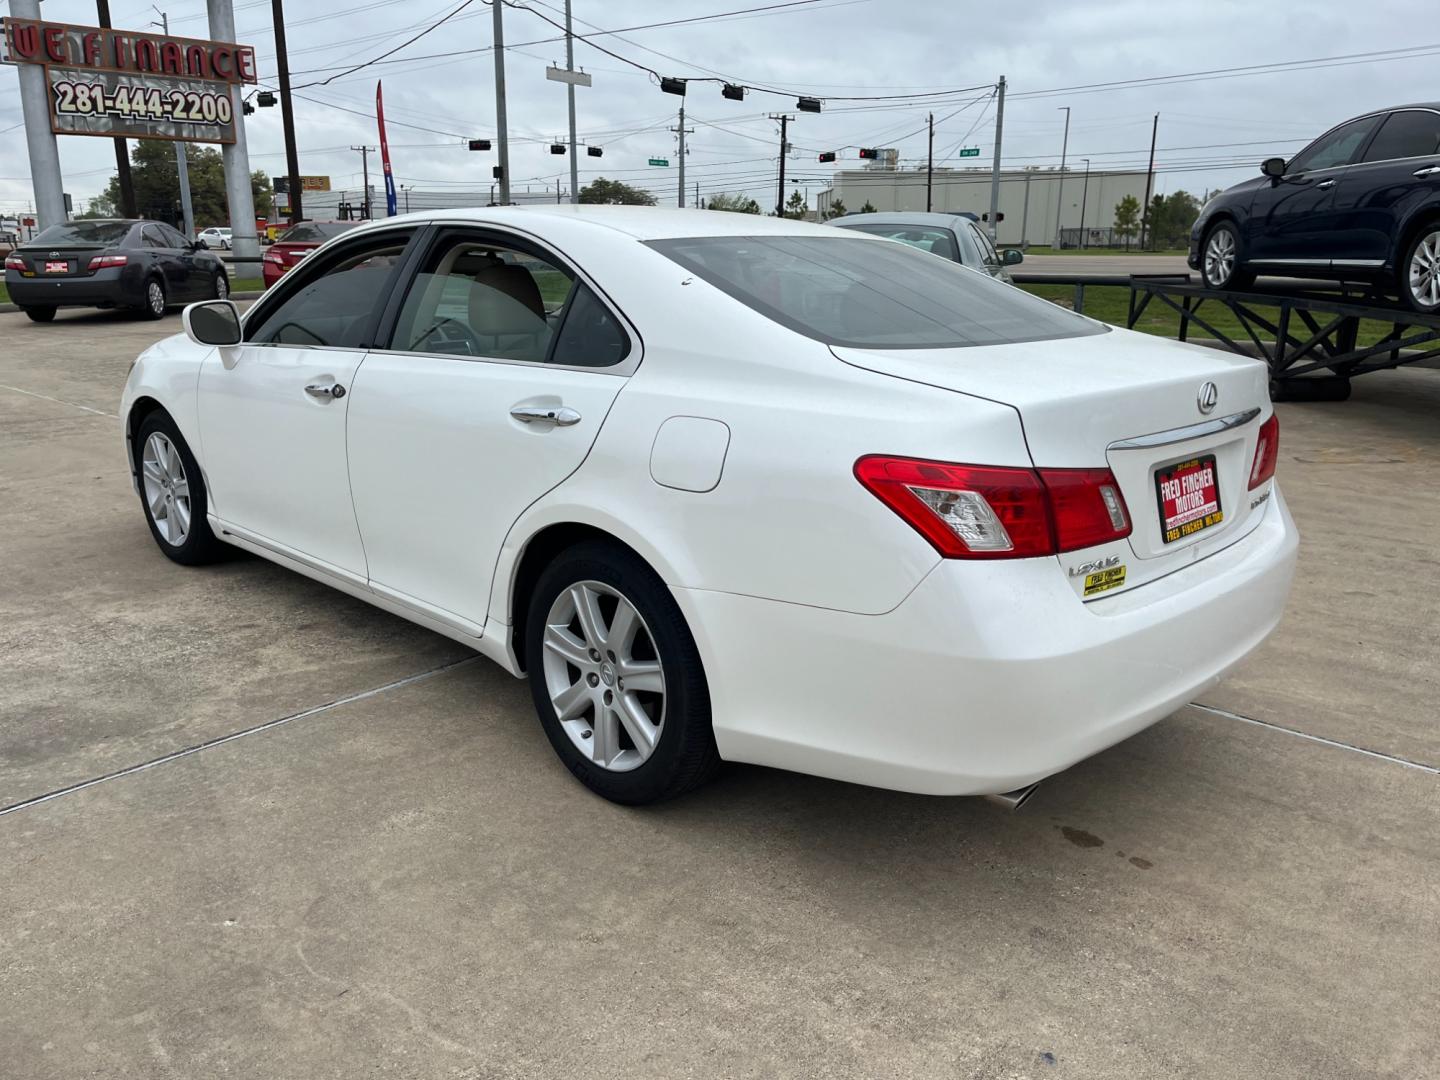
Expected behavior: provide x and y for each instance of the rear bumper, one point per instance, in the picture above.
(989, 676)
(114, 287)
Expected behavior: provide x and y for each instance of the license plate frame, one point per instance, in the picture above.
(57, 267)
(1186, 509)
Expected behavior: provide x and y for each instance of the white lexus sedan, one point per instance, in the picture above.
(730, 488)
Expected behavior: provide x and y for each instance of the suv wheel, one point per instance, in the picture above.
(1420, 272)
(1220, 258)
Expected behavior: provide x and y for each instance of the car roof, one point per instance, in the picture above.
(640, 222)
(905, 217)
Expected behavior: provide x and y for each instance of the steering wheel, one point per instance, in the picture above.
(447, 335)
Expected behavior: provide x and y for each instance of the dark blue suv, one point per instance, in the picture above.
(1360, 203)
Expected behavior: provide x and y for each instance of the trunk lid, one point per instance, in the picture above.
(1129, 402)
(42, 262)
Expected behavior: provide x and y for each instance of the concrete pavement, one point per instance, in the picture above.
(406, 883)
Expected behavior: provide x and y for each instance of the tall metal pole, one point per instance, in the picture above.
(995, 169)
(502, 133)
(682, 130)
(182, 164)
(1025, 213)
(930, 166)
(244, 244)
(1084, 197)
(1060, 195)
(570, 101)
(780, 190)
(122, 150)
(287, 109)
(40, 140)
(1149, 181)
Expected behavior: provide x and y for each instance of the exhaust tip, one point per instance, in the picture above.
(1013, 800)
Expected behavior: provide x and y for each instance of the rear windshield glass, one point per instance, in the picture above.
(315, 232)
(871, 294)
(84, 232)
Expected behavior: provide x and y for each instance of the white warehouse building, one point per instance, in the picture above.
(1028, 198)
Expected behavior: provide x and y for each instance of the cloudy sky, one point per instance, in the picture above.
(870, 60)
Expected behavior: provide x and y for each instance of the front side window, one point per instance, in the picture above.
(1335, 149)
(936, 241)
(151, 237)
(172, 238)
(851, 291)
(484, 298)
(337, 307)
(1408, 134)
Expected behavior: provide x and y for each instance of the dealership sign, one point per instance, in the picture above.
(126, 83)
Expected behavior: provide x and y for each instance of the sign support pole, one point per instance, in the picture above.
(243, 242)
(570, 100)
(182, 166)
(39, 139)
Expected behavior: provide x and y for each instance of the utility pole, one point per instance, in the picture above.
(697, 196)
(287, 110)
(570, 98)
(1025, 213)
(122, 150)
(1084, 197)
(502, 134)
(930, 165)
(1149, 181)
(365, 152)
(784, 148)
(682, 130)
(995, 169)
(1060, 197)
(182, 165)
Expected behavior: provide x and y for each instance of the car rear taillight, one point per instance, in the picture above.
(1267, 452)
(15, 262)
(100, 262)
(274, 257)
(990, 512)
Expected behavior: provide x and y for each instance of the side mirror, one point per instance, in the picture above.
(1012, 257)
(1273, 167)
(213, 322)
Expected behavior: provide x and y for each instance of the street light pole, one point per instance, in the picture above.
(1060, 196)
(1084, 195)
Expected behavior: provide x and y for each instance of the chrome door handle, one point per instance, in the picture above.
(1325, 184)
(560, 416)
(325, 393)
(1431, 171)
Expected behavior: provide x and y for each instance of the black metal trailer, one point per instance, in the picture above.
(1312, 340)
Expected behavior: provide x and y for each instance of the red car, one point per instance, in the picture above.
(297, 242)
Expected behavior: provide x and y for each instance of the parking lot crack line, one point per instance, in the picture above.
(59, 401)
(1318, 738)
(220, 740)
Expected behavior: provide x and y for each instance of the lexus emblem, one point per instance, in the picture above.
(1209, 397)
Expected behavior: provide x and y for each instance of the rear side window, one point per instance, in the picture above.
(1414, 133)
(850, 291)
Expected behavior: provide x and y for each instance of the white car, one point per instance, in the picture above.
(215, 238)
(735, 488)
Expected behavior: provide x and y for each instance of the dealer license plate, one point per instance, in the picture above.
(1189, 498)
(57, 267)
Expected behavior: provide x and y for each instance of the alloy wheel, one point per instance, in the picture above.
(167, 490)
(604, 676)
(1220, 257)
(1424, 275)
(155, 297)
(222, 287)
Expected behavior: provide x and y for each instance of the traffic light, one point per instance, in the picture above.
(869, 152)
(999, 216)
(595, 151)
(673, 86)
(498, 173)
(808, 104)
(733, 91)
(829, 155)
(479, 144)
(265, 99)
(557, 148)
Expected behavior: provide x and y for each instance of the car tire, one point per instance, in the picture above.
(1420, 271)
(1222, 258)
(636, 744)
(40, 314)
(220, 287)
(155, 301)
(172, 493)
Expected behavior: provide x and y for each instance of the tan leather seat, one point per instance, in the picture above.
(507, 313)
